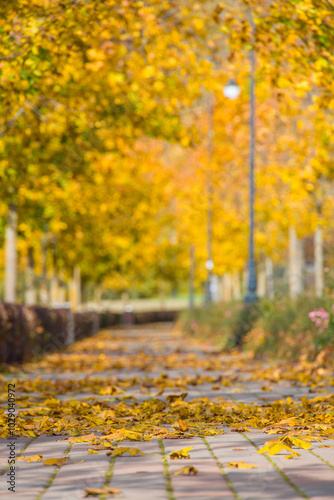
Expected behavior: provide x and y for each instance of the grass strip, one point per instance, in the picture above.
(109, 473)
(322, 459)
(18, 455)
(222, 470)
(169, 486)
(284, 476)
(52, 477)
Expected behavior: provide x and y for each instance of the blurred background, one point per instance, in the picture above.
(131, 135)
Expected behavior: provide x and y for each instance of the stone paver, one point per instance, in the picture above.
(152, 476)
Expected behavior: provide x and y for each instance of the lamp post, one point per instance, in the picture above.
(232, 91)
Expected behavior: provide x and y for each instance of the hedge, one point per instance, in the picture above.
(29, 331)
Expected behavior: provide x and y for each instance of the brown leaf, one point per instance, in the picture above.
(187, 471)
(173, 398)
(96, 492)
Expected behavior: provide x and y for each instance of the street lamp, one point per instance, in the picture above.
(232, 91)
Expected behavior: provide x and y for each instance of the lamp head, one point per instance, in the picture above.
(231, 90)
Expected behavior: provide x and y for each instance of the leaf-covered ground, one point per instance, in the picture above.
(126, 396)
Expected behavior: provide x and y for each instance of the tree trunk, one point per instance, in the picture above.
(54, 290)
(295, 264)
(245, 279)
(227, 287)
(43, 291)
(318, 262)
(98, 293)
(61, 288)
(11, 255)
(75, 289)
(30, 293)
(270, 278)
(192, 264)
(236, 286)
(261, 282)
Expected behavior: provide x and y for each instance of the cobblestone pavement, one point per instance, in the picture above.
(152, 475)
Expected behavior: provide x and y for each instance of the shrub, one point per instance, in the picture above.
(280, 328)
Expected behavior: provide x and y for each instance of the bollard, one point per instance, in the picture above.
(96, 322)
(70, 334)
(128, 316)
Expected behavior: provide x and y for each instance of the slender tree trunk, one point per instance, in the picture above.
(11, 255)
(221, 288)
(30, 294)
(75, 289)
(192, 265)
(270, 278)
(54, 289)
(318, 261)
(227, 287)
(295, 264)
(245, 279)
(98, 293)
(261, 282)
(61, 288)
(43, 291)
(236, 286)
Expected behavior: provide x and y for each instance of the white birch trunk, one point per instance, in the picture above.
(318, 262)
(75, 289)
(43, 290)
(54, 290)
(30, 292)
(261, 282)
(11, 256)
(236, 286)
(227, 287)
(270, 278)
(295, 264)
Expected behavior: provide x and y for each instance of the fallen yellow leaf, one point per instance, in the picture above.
(187, 471)
(33, 458)
(241, 465)
(118, 452)
(57, 461)
(182, 453)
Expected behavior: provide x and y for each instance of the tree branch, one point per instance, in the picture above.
(12, 121)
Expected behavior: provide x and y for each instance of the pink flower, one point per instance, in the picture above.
(319, 317)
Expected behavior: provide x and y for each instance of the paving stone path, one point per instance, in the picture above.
(151, 477)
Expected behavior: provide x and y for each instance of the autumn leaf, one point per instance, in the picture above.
(95, 492)
(33, 458)
(59, 462)
(241, 465)
(181, 425)
(92, 451)
(290, 457)
(84, 439)
(187, 471)
(118, 452)
(173, 398)
(182, 453)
